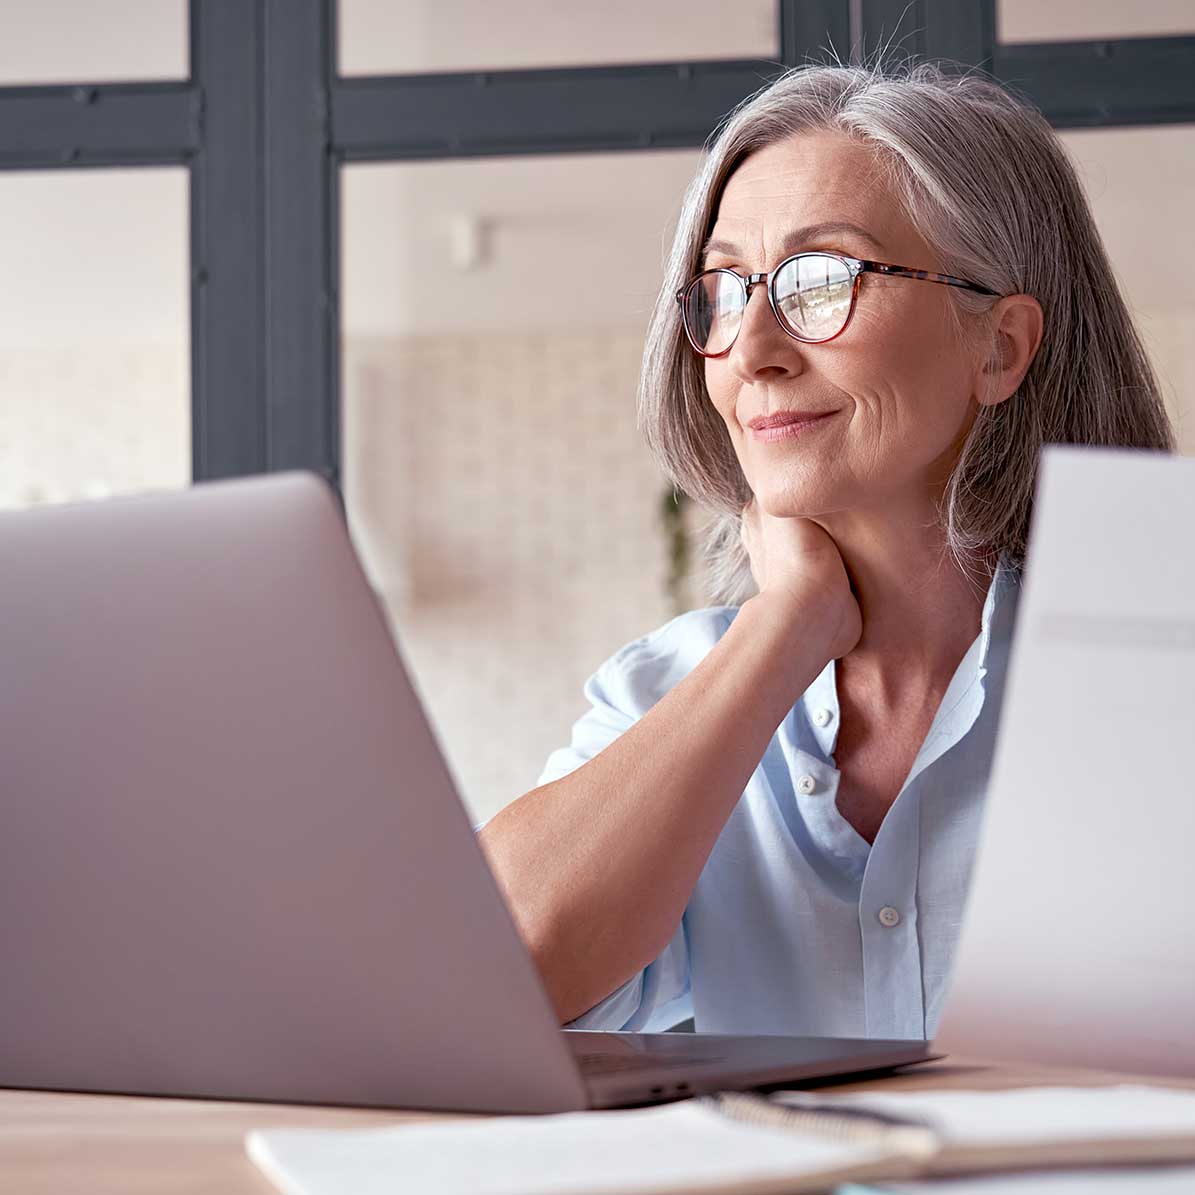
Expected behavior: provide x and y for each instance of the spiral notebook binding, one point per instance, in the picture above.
(841, 1125)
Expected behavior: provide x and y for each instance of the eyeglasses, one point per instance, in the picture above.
(812, 296)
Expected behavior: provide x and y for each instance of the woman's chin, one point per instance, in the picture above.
(806, 502)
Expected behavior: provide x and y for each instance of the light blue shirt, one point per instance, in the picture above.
(797, 925)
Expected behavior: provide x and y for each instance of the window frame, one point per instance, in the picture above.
(264, 122)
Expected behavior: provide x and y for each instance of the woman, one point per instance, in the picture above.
(767, 819)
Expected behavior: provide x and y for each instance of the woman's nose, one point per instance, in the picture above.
(763, 348)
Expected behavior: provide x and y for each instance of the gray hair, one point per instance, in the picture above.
(989, 186)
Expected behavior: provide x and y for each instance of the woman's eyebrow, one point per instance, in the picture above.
(795, 239)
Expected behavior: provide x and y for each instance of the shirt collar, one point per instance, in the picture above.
(998, 608)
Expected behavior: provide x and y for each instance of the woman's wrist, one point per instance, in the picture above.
(798, 620)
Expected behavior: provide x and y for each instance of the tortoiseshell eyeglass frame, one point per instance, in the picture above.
(855, 266)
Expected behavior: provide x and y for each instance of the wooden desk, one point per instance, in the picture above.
(104, 1144)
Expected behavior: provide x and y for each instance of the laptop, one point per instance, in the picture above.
(233, 862)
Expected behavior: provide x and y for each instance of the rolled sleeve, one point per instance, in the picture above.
(632, 680)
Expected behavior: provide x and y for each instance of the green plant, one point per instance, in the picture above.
(676, 537)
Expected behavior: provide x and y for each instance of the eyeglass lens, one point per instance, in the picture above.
(813, 297)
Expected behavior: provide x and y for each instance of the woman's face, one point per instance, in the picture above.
(899, 383)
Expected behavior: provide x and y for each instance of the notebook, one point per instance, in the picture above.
(750, 1144)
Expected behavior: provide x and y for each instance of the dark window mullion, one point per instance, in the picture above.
(1129, 81)
(227, 243)
(101, 124)
(400, 117)
(964, 33)
(806, 26)
(302, 377)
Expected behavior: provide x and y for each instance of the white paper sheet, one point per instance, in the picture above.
(1078, 945)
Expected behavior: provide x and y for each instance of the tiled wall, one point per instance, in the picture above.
(88, 420)
(508, 511)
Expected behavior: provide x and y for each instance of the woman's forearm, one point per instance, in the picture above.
(597, 867)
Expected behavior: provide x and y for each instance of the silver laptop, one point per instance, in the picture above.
(232, 861)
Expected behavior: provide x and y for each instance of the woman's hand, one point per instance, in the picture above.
(795, 560)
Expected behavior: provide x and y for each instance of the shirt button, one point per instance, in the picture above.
(889, 916)
(806, 785)
(823, 717)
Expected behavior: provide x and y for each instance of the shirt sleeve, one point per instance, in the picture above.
(619, 693)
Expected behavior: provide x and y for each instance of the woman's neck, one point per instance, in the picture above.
(921, 611)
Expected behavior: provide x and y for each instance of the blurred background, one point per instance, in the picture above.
(414, 247)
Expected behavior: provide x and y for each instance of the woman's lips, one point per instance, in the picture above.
(779, 427)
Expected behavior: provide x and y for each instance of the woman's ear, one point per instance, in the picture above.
(1016, 335)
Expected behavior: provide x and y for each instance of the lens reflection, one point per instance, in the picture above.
(714, 310)
(813, 294)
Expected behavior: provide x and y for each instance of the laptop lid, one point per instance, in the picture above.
(233, 863)
(1077, 946)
